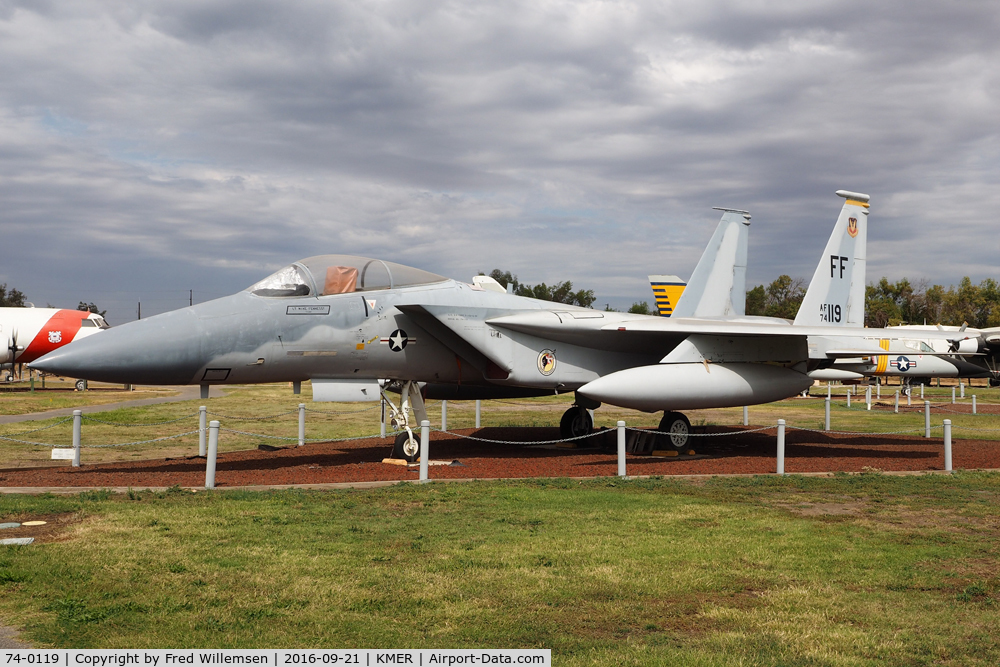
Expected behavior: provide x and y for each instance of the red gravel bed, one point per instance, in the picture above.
(361, 460)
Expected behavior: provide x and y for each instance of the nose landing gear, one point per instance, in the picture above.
(407, 444)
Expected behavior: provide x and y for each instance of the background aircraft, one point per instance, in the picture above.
(29, 333)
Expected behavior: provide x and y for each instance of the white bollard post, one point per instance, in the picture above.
(213, 453)
(479, 412)
(868, 397)
(909, 396)
(302, 424)
(444, 415)
(952, 395)
(826, 420)
(381, 426)
(77, 420)
(746, 416)
(781, 446)
(921, 390)
(896, 408)
(828, 390)
(621, 449)
(973, 404)
(848, 397)
(961, 385)
(878, 391)
(202, 429)
(425, 448)
(947, 445)
(927, 419)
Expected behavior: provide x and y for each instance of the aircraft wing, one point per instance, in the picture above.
(650, 334)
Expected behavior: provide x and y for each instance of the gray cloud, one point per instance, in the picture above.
(151, 148)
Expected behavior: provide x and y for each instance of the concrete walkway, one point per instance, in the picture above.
(185, 393)
(8, 639)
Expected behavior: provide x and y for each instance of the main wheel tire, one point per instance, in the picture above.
(575, 422)
(679, 429)
(405, 448)
(81, 385)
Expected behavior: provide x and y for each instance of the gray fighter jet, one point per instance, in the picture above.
(353, 325)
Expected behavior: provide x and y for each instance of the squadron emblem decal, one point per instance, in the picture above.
(398, 340)
(546, 362)
(852, 227)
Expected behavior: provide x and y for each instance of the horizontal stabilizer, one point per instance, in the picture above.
(667, 291)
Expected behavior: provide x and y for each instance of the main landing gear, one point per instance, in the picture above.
(407, 444)
(575, 422)
(679, 429)
(674, 426)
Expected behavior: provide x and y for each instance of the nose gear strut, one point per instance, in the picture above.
(407, 444)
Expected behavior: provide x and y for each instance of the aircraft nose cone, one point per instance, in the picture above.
(164, 349)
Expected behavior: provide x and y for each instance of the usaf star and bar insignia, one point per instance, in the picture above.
(398, 340)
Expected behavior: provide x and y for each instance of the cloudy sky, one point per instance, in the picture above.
(151, 148)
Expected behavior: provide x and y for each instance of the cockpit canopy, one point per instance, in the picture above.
(340, 274)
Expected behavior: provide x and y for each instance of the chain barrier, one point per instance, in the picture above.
(281, 437)
(122, 444)
(130, 425)
(519, 442)
(252, 419)
(28, 442)
(701, 435)
(43, 428)
(346, 412)
(815, 430)
(139, 442)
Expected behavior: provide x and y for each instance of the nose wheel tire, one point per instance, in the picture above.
(406, 448)
(678, 429)
(575, 422)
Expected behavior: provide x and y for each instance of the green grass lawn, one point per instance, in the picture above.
(850, 570)
(16, 399)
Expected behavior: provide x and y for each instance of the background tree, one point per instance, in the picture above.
(781, 298)
(891, 303)
(640, 308)
(756, 301)
(91, 308)
(11, 298)
(560, 292)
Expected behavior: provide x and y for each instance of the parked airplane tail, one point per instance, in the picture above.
(836, 295)
(667, 290)
(719, 283)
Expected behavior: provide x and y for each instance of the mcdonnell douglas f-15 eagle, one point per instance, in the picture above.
(350, 323)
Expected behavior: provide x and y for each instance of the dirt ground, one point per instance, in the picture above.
(727, 450)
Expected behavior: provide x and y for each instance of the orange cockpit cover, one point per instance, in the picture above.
(340, 280)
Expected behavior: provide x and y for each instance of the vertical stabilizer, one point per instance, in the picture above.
(836, 295)
(719, 283)
(667, 290)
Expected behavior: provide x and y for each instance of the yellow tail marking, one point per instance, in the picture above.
(882, 360)
(666, 295)
(854, 202)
